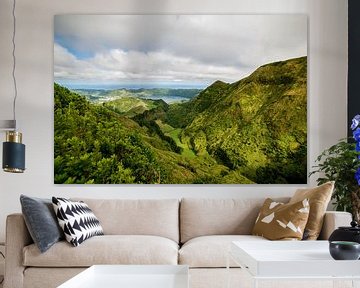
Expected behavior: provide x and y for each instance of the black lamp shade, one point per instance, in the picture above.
(13, 157)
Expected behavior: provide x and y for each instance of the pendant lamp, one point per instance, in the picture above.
(13, 159)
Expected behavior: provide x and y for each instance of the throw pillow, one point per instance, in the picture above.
(279, 221)
(77, 220)
(41, 222)
(319, 198)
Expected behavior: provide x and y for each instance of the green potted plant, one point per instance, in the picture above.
(341, 163)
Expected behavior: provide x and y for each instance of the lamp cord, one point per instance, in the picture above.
(14, 60)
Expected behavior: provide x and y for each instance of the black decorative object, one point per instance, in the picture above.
(345, 233)
(344, 250)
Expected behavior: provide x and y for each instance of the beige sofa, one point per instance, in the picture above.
(194, 232)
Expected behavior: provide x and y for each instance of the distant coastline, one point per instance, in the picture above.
(169, 95)
(107, 87)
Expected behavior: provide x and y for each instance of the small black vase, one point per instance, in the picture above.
(344, 250)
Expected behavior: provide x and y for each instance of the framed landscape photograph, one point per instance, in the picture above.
(180, 99)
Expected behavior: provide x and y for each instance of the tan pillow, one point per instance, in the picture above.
(319, 198)
(279, 221)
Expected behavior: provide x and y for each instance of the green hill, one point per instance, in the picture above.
(250, 131)
(94, 144)
(256, 125)
(131, 106)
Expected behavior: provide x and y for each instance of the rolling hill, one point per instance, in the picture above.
(250, 131)
(257, 125)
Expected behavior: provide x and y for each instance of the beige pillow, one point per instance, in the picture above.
(319, 198)
(279, 221)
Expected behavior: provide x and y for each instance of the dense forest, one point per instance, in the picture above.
(250, 131)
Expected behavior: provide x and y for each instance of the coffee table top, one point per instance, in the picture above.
(131, 276)
(291, 259)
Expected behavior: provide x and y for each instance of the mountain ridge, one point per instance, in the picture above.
(270, 103)
(250, 131)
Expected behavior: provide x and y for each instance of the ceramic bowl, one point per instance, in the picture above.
(344, 250)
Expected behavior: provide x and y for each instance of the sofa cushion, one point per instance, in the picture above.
(41, 221)
(279, 221)
(77, 220)
(35, 277)
(211, 251)
(201, 217)
(319, 198)
(107, 249)
(158, 217)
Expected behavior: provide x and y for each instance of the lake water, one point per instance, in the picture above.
(103, 95)
(168, 99)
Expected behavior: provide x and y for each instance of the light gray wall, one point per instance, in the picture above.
(327, 89)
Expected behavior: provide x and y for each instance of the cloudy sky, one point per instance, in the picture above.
(171, 50)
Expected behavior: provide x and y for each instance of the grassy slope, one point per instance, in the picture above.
(252, 123)
(86, 139)
(131, 106)
(229, 133)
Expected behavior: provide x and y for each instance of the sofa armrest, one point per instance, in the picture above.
(333, 220)
(17, 237)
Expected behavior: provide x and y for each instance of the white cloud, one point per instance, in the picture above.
(120, 66)
(173, 48)
(68, 67)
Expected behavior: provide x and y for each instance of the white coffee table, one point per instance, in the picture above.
(296, 260)
(131, 276)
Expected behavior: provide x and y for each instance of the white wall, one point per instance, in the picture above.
(327, 89)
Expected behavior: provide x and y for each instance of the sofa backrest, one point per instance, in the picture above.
(159, 217)
(200, 217)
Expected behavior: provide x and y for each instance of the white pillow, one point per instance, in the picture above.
(76, 220)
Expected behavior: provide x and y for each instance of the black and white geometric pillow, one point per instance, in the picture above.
(77, 220)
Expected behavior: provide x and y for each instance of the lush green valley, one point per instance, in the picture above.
(250, 131)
